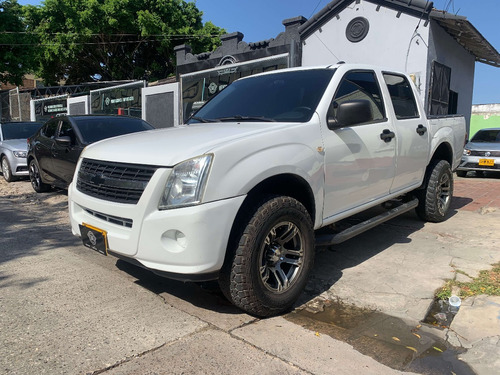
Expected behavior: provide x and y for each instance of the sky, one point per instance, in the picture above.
(262, 19)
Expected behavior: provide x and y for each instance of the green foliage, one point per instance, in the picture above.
(16, 53)
(83, 40)
(445, 291)
(488, 282)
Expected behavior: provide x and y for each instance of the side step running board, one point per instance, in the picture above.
(334, 239)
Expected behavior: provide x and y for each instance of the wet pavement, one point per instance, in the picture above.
(389, 340)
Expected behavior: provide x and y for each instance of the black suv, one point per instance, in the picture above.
(54, 150)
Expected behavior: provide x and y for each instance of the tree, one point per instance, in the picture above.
(16, 49)
(84, 40)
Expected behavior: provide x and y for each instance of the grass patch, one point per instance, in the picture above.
(488, 282)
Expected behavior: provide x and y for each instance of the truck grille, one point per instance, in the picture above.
(115, 182)
(124, 222)
(482, 153)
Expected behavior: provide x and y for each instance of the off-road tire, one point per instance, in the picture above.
(35, 178)
(435, 197)
(274, 241)
(6, 170)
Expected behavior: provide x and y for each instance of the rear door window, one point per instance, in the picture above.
(403, 100)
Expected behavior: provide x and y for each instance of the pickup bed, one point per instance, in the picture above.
(239, 192)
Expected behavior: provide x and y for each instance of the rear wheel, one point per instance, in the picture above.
(268, 269)
(6, 170)
(36, 179)
(435, 198)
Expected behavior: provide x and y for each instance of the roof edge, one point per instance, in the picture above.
(417, 8)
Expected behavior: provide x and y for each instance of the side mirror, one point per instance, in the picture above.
(63, 141)
(351, 113)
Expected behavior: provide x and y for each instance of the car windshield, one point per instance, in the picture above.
(94, 129)
(290, 96)
(488, 135)
(19, 130)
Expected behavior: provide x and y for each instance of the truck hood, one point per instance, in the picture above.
(168, 147)
(15, 144)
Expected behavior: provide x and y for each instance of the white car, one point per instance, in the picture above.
(13, 148)
(481, 153)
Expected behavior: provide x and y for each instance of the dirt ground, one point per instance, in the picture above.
(55, 201)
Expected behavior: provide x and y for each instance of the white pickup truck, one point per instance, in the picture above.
(237, 193)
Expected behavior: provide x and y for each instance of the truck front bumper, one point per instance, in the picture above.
(186, 243)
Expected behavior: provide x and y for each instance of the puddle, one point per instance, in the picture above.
(440, 314)
(386, 339)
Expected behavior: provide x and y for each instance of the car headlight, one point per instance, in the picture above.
(186, 184)
(466, 152)
(20, 154)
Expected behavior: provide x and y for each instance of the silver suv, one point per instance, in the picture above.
(13, 148)
(481, 153)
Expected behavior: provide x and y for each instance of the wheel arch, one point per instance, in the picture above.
(284, 184)
(443, 152)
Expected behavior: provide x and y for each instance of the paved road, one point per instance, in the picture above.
(67, 310)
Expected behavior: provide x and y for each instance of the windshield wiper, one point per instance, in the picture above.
(245, 118)
(201, 119)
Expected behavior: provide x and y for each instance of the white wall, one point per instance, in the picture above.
(445, 50)
(161, 105)
(79, 101)
(392, 42)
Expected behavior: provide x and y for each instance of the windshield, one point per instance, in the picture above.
(94, 129)
(290, 96)
(490, 135)
(19, 130)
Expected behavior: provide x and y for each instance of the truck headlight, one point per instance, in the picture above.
(186, 184)
(19, 154)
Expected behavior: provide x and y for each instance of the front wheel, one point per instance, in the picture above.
(268, 269)
(36, 180)
(435, 197)
(6, 170)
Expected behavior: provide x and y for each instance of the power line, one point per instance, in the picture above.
(106, 34)
(145, 40)
(314, 10)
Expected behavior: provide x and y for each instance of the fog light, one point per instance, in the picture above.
(174, 241)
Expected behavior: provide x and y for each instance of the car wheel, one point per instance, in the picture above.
(267, 270)
(461, 173)
(435, 198)
(36, 179)
(6, 171)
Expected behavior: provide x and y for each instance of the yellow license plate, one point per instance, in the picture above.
(487, 162)
(94, 238)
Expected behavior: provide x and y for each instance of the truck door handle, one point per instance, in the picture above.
(421, 129)
(387, 135)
